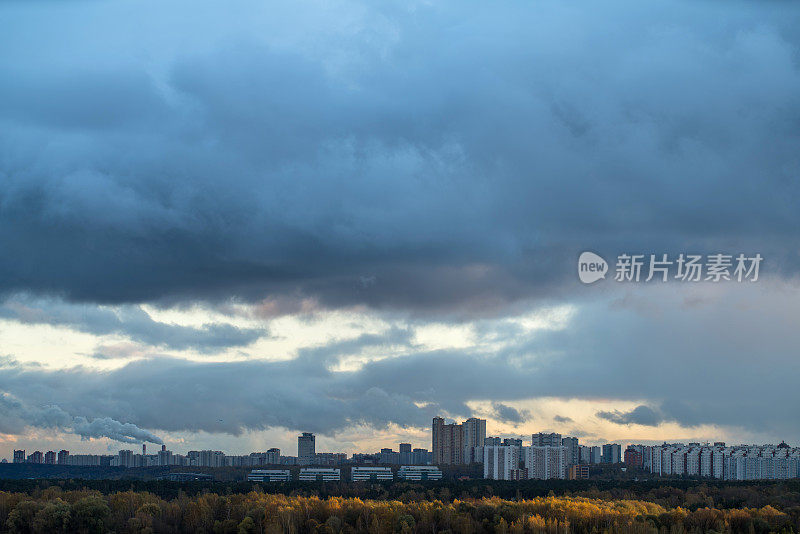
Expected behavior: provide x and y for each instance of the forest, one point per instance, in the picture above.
(57, 508)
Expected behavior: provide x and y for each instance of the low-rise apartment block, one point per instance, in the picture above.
(371, 473)
(419, 472)
(322, 474)
(269, 475)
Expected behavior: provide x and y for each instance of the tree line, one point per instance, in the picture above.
(56, 510)
(689, 494)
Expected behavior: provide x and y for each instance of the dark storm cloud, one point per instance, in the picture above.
(457, 156)
(130, 321)
(562, 419)
(509, 414)
(641, 415)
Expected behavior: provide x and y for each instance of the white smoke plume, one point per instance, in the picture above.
(16, 416)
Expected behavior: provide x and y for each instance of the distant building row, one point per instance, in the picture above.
(209, 458)
(549, 456)
(307, 455)
(322, 474)
(743, 462)
(504, 462)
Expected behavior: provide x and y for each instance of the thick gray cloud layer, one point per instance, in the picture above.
(130, 321)
(733, 365)
(457, 156)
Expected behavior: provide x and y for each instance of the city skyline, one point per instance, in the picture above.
(429, 446)
(547, 456)
(221, 226)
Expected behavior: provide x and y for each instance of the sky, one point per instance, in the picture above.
(225, 224)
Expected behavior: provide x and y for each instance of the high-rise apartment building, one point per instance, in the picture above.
(421, 457)
(448, 442)
(645, 451)
(546, 462)
(90, 460)
(612, 453)
(306, 448)
(436, 439)
(125, 458)
(406, 455)
(165, 457)
(573, 451)
(273, 456)
(19, 457)
(474, 434)
(61, 459)
(546, 440)
(500, 462)
(388, 456)
(212, 459)
(633, 457)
